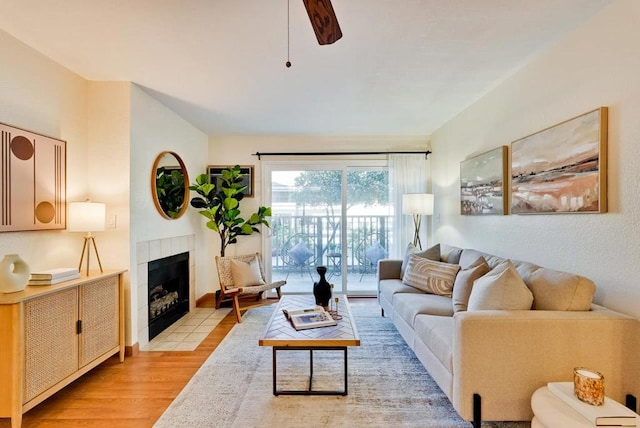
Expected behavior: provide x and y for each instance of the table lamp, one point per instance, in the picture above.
(87, 217)
(417, 204)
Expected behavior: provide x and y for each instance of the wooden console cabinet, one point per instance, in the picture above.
(52, 335)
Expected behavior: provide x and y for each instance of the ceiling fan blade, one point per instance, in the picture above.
(323, 20)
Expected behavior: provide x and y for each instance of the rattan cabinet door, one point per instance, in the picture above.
(51, 341)
(100, 318)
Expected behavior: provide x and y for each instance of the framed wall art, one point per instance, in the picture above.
(562, 169)
(215, 173)
(34, 187)
(483, 181)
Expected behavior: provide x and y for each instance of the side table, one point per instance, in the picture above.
(551, 412)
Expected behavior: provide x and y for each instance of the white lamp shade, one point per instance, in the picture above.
(86, 217)
(417, 203)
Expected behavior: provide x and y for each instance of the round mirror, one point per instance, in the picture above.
(170, 185)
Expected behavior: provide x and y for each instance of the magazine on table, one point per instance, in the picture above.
(302, 319)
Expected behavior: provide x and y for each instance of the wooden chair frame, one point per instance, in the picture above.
(228, 291)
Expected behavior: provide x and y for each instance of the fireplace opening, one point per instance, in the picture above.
(168, 291)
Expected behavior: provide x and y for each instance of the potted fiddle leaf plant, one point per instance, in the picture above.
(219, 203)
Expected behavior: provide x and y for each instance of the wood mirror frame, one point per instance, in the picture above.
(167, 193)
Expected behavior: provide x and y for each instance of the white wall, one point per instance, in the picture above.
(597, 65)
(155, 128)
(38, 95)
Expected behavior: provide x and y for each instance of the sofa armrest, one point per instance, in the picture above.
(504, 356)
(389, 269)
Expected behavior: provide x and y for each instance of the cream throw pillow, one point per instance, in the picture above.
(430, 276)
(464, 283)
(246, 274)
(500, 289)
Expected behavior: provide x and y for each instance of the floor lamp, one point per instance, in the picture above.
(417, 204)
(87, 217)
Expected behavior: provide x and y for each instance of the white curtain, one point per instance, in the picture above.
(407, 174)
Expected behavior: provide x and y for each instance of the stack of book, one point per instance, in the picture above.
(610, 414)
(303, 319)
(53, 276)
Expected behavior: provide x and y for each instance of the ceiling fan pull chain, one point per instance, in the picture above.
(288, 63)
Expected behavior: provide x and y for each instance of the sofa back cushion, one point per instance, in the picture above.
(449, 254)
(430, 276)
(560, 291)
(500, 289)
(464, 283)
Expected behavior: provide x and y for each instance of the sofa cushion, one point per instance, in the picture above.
(449, 254)
(390, 287)
(500, 289)
(431, 253)
(436, 332)
(464, 283)
(560, 291)
(430, 276)
(408, 305)
(469, 256)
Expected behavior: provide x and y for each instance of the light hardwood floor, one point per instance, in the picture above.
(131, 394)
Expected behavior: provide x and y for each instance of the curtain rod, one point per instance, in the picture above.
(425, 152)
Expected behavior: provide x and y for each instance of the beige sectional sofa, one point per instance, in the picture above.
(489, 362)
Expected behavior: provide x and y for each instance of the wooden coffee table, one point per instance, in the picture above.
(280, 334)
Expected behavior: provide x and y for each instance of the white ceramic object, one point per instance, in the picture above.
(14, 273)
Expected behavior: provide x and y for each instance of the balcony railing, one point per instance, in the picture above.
(302, 242)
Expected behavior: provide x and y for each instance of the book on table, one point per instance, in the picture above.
(53, 273)
(302, 319)
(55, 280)
(611, 413)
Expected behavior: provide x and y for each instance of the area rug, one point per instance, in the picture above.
(388, 386)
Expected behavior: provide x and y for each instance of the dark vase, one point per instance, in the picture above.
(322, 288)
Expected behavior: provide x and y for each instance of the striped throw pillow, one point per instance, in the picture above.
(430, 276)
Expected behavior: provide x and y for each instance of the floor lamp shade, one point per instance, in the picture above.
(417, 205)
(87, 217)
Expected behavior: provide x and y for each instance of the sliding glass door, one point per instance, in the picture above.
(331, 214)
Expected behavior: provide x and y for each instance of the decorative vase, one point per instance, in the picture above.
(14, 274)
(322, 288)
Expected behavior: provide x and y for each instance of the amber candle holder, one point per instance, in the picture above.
(588, 386)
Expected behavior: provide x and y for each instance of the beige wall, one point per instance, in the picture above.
(597, 65)
(41, 96)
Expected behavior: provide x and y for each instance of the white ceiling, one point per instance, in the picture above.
(403, 67)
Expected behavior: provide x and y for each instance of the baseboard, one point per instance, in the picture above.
(132, 351)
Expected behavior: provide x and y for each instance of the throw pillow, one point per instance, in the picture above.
(299, 253)
(464, 283)
(430, 276)
(431, 253)
(376, 252)
(500, 289)
(246, 274)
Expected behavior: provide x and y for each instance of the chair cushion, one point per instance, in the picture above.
(464, 283)
(375, 252)
(500, 289)
(300, 253)
(430, 276)
(246, 274)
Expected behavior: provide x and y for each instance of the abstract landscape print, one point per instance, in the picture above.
(482, 183)
(562, 169)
